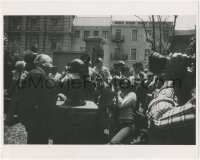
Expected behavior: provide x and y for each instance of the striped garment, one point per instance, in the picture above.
(165, 115)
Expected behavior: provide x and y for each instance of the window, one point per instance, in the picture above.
(119, 22)
(77, 34)
(82, 48)
(118, 32)
(86, 34)
(53, 43)
(55, 21)
(15, 23)
(31, 40)
(96, 33)
(105, 34)
(134, 35)
(33, 23)
(146, 54)
(56, 42)
(130, 22)
(149, 32)
(133, 54)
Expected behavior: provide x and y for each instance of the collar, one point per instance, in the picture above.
(41, 70)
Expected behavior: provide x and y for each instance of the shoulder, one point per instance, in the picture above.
(105, 68)
(132, 94)
(36, 73)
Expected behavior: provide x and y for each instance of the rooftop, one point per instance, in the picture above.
(92, 21)
(184, 32)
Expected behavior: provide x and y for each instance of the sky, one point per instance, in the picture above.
(183, 22)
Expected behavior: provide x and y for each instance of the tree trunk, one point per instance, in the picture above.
(160, 29)
(173, 42)
(154, 39)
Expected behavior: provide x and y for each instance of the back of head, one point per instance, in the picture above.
(20, 65)
(125, 70)
(43, 61)
(99, 60)
(138, 67)
(29, 58)
(85, 58)
(77, 66)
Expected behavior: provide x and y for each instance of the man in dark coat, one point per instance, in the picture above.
(38, 98)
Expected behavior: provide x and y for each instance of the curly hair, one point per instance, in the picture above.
(20, 64)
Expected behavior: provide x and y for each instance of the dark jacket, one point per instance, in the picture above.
(38, 99)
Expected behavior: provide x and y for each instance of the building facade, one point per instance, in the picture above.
(62, 37)
(84, 27)
(129, 40)
(49, 33)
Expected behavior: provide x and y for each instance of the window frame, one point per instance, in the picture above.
(106, 35)
(85, 35)
(136, 39)
(131, 53)
(94, 34)
(79, 35)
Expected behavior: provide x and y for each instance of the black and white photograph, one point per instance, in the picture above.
(100, 80)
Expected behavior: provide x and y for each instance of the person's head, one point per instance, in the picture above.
(125, 71)
(77, 66)
(146, 71)
(125, 85)
(99, 62)
(20, 65)
(137, 67)
(90, 64)
(54, 69)
(44, 62)
(29, 58)
(150, 76)
(121, 64)
(85, 58)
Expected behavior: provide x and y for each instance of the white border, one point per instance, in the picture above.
(99, 8)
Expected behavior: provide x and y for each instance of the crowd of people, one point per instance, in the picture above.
(155, 105)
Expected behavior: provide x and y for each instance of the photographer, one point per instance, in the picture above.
(126, 102)
(172, 114)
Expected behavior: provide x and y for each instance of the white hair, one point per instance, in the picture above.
(41, 59)
(20, 64)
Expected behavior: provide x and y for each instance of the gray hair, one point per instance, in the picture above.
(20, 64)
(40, 59)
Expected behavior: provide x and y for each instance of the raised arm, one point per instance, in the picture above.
(129, 100)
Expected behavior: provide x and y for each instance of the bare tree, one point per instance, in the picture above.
(154, 37)
(160, 32)
(161, 22)
(174, 25)
(143, 23)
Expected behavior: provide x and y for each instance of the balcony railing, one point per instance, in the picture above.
(118, 38)
(119, 57)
